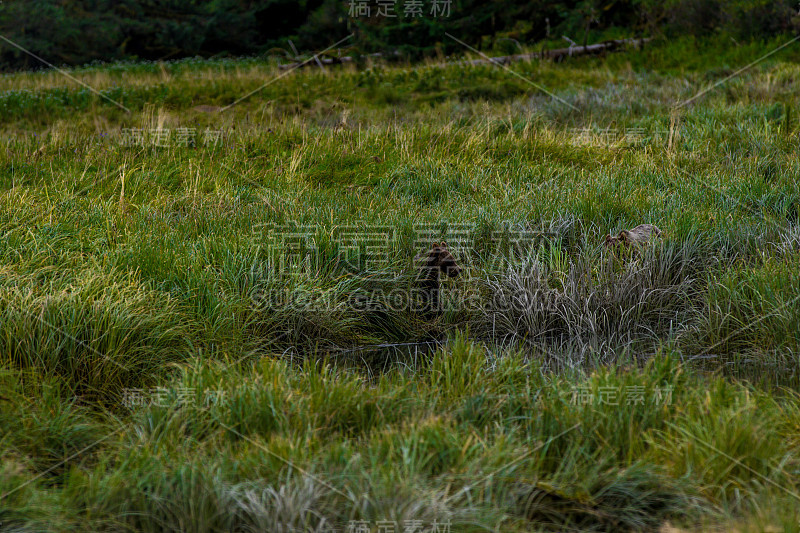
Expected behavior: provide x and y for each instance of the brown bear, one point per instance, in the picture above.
(438, 259)
(639, 235)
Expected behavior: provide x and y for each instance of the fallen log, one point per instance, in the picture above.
(556, 54)
(320, 61)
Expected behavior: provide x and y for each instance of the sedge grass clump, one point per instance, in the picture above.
(751, 309)
(602, 297)
(42, 424)
(99, 333)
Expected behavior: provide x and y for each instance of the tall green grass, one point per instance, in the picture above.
(150, 269)
(498, 446)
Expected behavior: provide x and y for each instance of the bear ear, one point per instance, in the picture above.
(444, 244)
(608, 237)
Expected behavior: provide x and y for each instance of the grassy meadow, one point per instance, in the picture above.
(182, 345)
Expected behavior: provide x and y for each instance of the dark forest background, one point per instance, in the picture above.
(75, 32)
